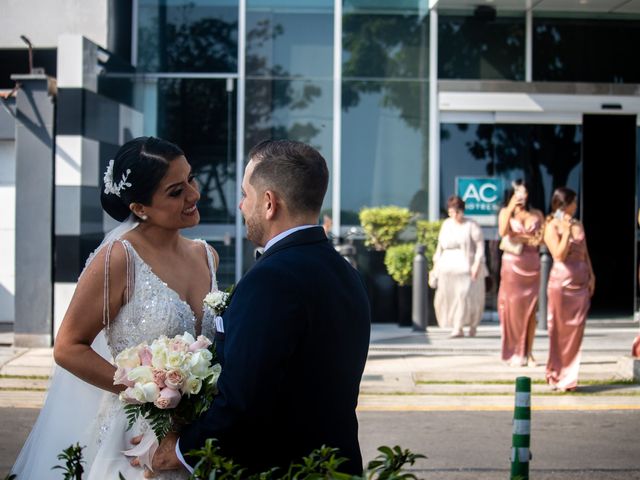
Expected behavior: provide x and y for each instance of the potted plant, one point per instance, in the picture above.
(399, 262)
(382, 226)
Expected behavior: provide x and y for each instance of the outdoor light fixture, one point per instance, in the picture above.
(28, 42)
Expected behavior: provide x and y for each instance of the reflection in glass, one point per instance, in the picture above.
(199, 116)
(298, 110)
(289, 42)
(385, 149)
(546, 156)
(385, 93)
(187, 36)
(475, 48)
(584, 50)
(289, 92)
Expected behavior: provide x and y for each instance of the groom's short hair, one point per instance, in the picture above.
(294, 170)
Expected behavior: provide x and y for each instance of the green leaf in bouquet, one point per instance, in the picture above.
(160, 422)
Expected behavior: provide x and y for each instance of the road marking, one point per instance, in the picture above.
(488, 408)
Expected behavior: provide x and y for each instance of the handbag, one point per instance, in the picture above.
(509, 246)
(433, 278)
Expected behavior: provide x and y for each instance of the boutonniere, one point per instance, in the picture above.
(219, 300)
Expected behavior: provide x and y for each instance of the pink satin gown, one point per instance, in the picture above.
(518, 296)
(568, 305)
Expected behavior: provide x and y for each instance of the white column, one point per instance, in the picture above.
(242, 29)
(434, 119)
(337, 117)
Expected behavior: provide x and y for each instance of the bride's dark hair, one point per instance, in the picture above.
(148, 159)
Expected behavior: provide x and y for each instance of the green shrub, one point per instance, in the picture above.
(382, 225)
(427, 233)
(399, 262)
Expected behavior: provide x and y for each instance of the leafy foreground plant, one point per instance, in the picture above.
(322, 463)
(72, 468)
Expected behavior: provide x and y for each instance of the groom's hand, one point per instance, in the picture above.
(165, 457)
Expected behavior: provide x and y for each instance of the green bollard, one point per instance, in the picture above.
(520, 454)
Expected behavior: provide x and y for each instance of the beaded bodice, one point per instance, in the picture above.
(154, 309)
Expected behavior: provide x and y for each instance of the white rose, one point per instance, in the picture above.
(128, 358)
(177, 359)
(200, 363)
(216, 370)
(145, 392)
(142, 374)
(159, 350)
(186, 338)
(192, 385)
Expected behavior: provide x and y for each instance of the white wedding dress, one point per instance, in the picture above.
(75, 411)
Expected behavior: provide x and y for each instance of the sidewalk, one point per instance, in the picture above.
(417, 370)
(409, 370)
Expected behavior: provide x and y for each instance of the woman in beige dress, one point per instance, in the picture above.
(519, 276)
(460, 271)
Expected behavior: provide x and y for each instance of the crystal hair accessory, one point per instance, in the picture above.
(110, 186)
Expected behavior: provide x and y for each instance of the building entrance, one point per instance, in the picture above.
(608, 209)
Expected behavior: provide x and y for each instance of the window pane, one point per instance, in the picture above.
(384, 147)
(384, 43)
(284, 41)
(583, 50)
(385, 105)
(187, 35)
(199, 116)
(293, 109)
(546, 156)
(473, 48)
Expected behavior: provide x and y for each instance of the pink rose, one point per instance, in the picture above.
(177, 345)
(145, 356)
(120, 377)
(174, 379)
(200, 343)
(159, 377)
(169, 398)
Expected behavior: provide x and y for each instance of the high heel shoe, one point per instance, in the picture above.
(531, 362)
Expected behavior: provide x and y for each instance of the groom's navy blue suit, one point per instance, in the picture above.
(296, 342)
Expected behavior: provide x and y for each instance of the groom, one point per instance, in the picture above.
(296, 332)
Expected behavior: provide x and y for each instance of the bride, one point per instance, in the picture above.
(145, 280)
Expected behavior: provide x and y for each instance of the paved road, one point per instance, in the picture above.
(467, 445)
(475, 445)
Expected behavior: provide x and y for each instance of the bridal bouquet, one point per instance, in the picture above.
(170, 382)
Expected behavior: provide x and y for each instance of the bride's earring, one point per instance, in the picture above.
(144, 218)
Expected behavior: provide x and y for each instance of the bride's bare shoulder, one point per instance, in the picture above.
(113, 257)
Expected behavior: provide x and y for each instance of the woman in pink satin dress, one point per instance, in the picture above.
(571, 285)
(519, 276)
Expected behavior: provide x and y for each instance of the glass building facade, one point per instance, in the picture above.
(402, 97)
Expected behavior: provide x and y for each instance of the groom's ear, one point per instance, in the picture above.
(270, 204)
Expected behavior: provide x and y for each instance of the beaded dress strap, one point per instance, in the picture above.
(130, 279)
(210, 261)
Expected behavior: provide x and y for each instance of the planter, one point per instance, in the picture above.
(431, 311)
(380, 287)
(405, 306)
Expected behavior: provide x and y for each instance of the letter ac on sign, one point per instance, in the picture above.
(482, 196)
